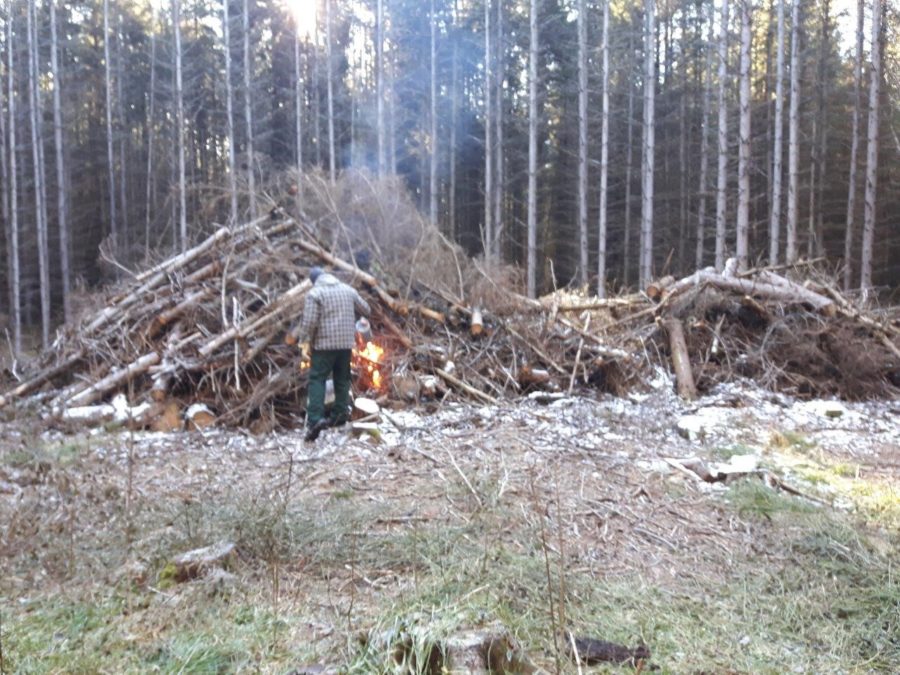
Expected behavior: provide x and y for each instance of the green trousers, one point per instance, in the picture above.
(325, 362)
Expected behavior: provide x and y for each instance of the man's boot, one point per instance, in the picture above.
(313, 432)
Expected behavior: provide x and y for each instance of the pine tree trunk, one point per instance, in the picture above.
(179, 128)
(40, 198)
(743, 211)
(582, 210)
(15, 276)
(454, 120)
(722, 177)
(110, 154)
(604, 153)
(151, 109)
(704, 143)
(381, 132)
(298, 102)
(248, 111)
(533, 51)
(488, 233)
(777, 147)
(229, 114)
(329, 66)
(499, 76)
(433, 166)
(62, 205)
(869, 213)
(629, 170)
(854, 147)
(648, 159)
(124, 138)
(794, 138)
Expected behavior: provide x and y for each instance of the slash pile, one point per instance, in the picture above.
(208, 334)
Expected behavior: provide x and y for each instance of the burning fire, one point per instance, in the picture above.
(368, 362)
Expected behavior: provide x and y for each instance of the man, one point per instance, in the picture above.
(329, 321)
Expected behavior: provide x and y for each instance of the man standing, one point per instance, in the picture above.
(329, 326)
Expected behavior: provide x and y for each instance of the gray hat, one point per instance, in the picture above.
(315, 273)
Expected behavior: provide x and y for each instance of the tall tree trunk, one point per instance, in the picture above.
(229, 113)
(582, 211)
(433, 167)
(248, 110)
(743, 211)
(854, 147)
(329, 67)
(15, 276)
(683, 168)
(298, 102)
(777, 147)
(604, 152)
(381, 131)
(151, 109)
(499, 77)
(37, 147)
(62, 204)
(704, 141)
(722, 177)
(533, 51)
(179, 128)
(454, 119)
(869, 214)
(629, 169)
(124, 138)
(488, 233)
(822, 116)
(110, 154)
(794, 138)
(647, 159)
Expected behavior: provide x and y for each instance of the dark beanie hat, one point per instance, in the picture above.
(315, 273)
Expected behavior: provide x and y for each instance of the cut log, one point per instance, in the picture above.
(476, 323)
(681, 362)
(656, 289)
(459, 384)
(114, 380)
(41, 378)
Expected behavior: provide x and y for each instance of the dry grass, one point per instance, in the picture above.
(362, 541)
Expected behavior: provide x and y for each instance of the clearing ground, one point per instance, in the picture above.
(356, 553)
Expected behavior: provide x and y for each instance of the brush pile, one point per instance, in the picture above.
(208, 335)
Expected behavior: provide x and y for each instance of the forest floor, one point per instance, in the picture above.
(527, 515)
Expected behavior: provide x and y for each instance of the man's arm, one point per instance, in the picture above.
(310, 321)
(360, 305)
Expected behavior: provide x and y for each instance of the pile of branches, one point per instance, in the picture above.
(212, 329)
(807, 340)
(208, 334)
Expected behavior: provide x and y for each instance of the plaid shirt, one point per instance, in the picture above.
(329, 314)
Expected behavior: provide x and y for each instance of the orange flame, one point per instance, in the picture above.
(369, 361)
